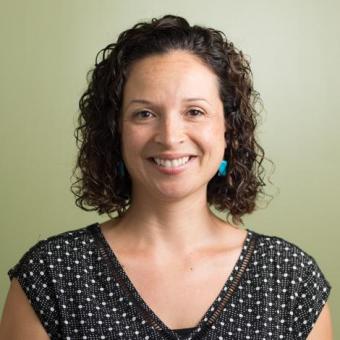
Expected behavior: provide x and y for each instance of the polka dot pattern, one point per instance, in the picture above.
(79, 290)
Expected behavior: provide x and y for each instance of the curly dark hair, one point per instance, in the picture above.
(99, 184)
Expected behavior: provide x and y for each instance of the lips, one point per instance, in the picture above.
(174, 163)
(172, 168)
(165, 156)
(170, 159)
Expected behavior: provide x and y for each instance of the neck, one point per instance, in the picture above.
(165, 227)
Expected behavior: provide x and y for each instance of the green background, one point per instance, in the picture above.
(48, 46)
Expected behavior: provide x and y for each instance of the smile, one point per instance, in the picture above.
(174, 166)
(173, 163)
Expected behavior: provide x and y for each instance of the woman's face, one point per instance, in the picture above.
(172, 110)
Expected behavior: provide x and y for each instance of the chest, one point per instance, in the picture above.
(180, 292)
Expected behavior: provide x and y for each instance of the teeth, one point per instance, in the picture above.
(171, 163)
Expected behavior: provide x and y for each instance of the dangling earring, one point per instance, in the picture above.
(121, 168)
(222, 170)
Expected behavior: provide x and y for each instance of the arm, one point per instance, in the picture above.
(19, 320)
(322, 329)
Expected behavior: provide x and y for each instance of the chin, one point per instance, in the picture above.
(176, 192)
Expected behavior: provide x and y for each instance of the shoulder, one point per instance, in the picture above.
(45, 267)
(289, 263)
(70, 238)
(282, 251)
(53, 250)
(292, 277)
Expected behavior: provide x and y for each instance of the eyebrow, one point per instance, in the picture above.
(144, 101)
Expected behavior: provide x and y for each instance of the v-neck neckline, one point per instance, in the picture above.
(215, 308)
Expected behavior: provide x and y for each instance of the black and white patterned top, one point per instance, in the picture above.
(79, 290)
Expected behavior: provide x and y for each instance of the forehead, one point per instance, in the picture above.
(172, 73)
(176, 58)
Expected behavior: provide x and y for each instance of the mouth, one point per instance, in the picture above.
(171, 163)
(172, 167)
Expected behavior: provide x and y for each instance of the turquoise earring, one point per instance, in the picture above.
(222, 170)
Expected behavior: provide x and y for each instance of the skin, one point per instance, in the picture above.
(168, 214)
(172, 211)
(323, 327)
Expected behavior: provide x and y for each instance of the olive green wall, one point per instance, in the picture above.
(47, 48)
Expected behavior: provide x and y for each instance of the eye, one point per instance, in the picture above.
(196, 113)
(143, 114)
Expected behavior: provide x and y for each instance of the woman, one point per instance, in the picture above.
(166, 131)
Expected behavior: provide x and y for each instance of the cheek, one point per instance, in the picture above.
(213, 136)
(132, 140)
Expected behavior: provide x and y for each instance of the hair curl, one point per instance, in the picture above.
(98, 183)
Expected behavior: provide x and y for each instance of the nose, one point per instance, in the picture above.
(170, 130)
